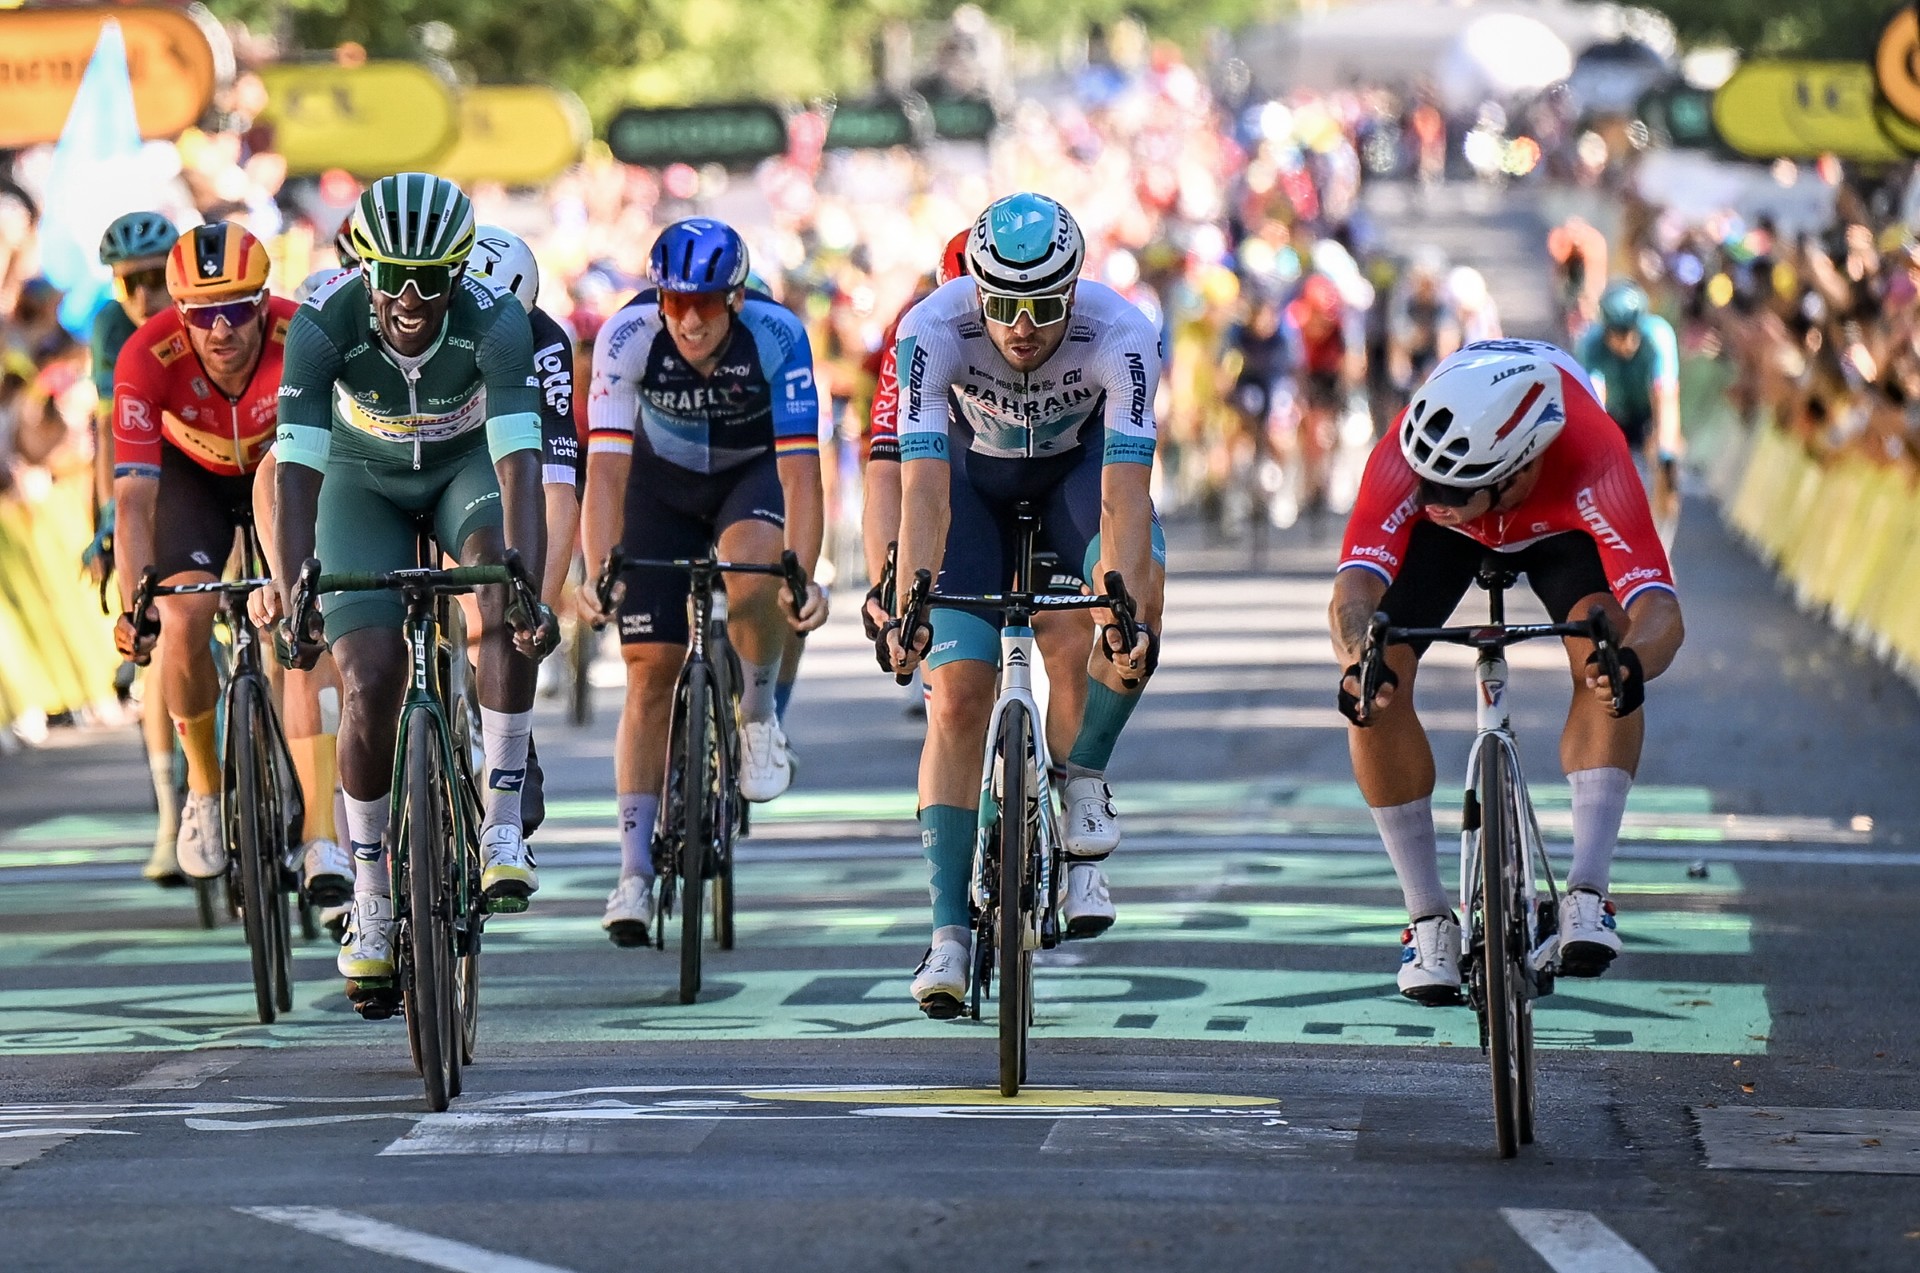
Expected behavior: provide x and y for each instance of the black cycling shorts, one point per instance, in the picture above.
(1441, 563)
(676, 513)
(196, 515)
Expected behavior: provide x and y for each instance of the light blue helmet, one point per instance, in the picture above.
(1025, 245)
(136, 235)
(1622, 305)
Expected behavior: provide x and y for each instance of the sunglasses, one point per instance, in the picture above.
(236, 313)
(1045, 311)
(706, 306)
(138, 281)
(390, 278)
(1430, 492)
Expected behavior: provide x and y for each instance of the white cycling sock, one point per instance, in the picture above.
(503, 736)
(1599, 804)
(757, 698)
(636, 835)
(1407, 831)
(366, 837)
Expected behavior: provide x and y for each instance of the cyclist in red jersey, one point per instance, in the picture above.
(195, 406)
(1504, 448)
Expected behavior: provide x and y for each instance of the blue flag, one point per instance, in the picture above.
(89, 184)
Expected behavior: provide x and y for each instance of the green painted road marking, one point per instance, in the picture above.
(1294, 1008)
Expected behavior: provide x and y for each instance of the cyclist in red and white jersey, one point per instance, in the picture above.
(1504, 448)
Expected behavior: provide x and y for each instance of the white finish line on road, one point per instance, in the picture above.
(1576, 1242)
(390, 1239)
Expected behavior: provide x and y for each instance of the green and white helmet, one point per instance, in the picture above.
(1025, 245)
(412, 218)
(135, 235)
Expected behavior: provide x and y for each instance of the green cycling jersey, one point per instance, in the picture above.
(342, 388)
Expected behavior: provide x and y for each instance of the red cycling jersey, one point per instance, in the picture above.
(1587, 484)
(162, 396)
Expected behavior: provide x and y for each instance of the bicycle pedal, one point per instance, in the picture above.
(374, 998)
(629, 936)
(1435, 996)
(942, 1007)
(508, 904)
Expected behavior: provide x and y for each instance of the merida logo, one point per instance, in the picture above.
(1602, 529)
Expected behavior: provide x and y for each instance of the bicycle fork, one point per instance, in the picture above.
(1016, 686)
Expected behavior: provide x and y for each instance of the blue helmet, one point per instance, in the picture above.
(698, 255)
(137, 235)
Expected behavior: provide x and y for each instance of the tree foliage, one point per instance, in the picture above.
(668, 51)
(1830, 29)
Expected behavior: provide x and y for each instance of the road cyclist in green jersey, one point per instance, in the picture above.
(409, 398)
(1633, 359)
(1020, 384)
(135, 248)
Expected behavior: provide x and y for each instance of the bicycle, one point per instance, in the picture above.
(261, 803)
(434, 855)
(701, 810)
(1509, 895)
(1019, 849)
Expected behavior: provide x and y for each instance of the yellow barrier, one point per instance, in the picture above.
(56, 648)
(1845, 534)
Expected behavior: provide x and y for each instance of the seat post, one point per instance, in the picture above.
(1026, 529)
(1494, 576)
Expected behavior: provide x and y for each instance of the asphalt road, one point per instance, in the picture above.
(1227, 1078)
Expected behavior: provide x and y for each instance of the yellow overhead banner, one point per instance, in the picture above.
(1797, 110)
(372, 119)
(515, 134)
(44, 52)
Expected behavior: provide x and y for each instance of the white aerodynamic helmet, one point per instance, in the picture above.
(502, 260)
(1025, 245)
(1481, 416)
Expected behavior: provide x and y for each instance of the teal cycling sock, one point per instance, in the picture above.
(946, 837)
(1106, 715)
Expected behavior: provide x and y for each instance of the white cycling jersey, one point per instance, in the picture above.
(1106, 369)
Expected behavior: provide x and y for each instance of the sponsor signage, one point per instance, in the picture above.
(371, 120)
(44, 52)
(1801, 109)
(515, 134)
(737, 134)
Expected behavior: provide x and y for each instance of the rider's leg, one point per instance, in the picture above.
(192, 682)
(1600, 756)
(754, 625)
(1393, 767)
(957, 719)
(506, 682)
(640, 747)
(373, 678)
(1064, 636)
(156, 730)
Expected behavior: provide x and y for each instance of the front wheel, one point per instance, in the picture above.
(696, 772)
(1014, 897)
(248, 815)
(429, 993)
(1505, 1004)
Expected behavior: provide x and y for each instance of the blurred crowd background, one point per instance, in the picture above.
(1222, 178)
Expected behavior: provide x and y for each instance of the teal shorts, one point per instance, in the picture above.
(371, 512)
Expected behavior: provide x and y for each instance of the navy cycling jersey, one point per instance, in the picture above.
(761, 396)
(553, 366)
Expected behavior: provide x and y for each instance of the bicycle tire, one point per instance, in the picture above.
(1016, 967)
(246, 809)
(279, 907)
(1501, 977)
(579, 668)
(696, 828)
(429, 994)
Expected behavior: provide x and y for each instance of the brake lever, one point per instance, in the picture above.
(1606, 644)
(913, 617)
(796, 580)
(143, 627)
(290, 635)
(603, 586)
(1373, 661)
(1120, 605)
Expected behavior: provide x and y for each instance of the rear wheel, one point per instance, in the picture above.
(247, 817)
(429, 993)
(1505, 982)
(1014, 898)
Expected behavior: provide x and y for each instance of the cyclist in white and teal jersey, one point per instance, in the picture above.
(1633, 358)
(409, 394)
(1021, 383)
(135, 248)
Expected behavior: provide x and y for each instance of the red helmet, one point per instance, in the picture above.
(953, 262)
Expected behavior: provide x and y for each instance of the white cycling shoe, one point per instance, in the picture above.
(1430, 961)
(1092, 827)
(506, 864)
(629, 917)
(367, 952)
(163, 868)
(327, 870)
(1086, 901)
(766, 768)
(202, 847)
(1589, 939)
(940, 983)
